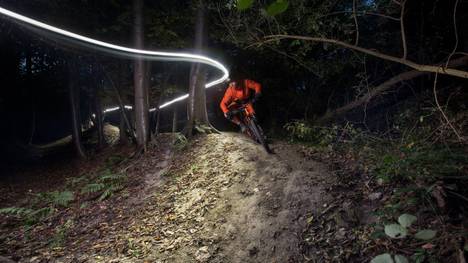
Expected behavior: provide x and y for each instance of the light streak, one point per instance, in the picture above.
(157, 55)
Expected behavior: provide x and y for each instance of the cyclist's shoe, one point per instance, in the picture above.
(243, 127)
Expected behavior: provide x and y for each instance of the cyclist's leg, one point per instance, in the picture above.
(250, 109)
(240, 123)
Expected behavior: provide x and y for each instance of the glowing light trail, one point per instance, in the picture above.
(156, 55)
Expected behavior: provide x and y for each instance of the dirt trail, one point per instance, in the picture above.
(225, 200)
(222, 198)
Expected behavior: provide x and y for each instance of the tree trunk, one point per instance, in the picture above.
(75, 108)
(122, 128)
(174, 120)
(141, 90)
(33, 103)
(99, 117)
(196, 106)
(124, 121)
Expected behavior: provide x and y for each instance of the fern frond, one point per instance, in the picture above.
(76, 181)
(41, 213)
(16, 211)
(112, 177)
(62, 198)
(92, 188)
(106, 194)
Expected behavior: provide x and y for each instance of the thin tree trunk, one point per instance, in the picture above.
(33, 124)
(141, 90)
(33, 104)
(76, 120)
(122, 128)
(123, 116)
(158, 118)
(99, 117)
(158, 114)
(196, 107)
(174, 120)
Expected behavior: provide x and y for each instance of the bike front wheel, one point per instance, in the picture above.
(258, 135)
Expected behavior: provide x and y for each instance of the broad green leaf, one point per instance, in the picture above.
(406, 220)
(244, 4)
(425, 234)
(277, 7)
(383, 258)
(395, 231)
(401, 259)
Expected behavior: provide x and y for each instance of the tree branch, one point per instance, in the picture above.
(356, 42)
(402, 26)
(456, 33)
(362, 13)
(411, 64)
(442, 111)
(382, 88)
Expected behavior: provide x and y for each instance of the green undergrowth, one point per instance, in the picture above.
(76, 192)
(420, 167)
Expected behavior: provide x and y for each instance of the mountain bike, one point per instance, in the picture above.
(254, 130)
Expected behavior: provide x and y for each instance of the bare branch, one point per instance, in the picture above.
(356, 42)
(383, 87)
(362, 13)
(456, 33)
(411, 64)
(302, 64)
(442, 111)
(402, 26)
(229, 29)
(396, 2)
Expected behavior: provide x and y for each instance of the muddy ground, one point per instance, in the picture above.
(220, 198)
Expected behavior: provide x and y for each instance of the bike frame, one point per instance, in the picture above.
(254, 131)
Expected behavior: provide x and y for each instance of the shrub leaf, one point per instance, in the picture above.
(395, 231)
(244, 4)
(401, 259)
(277, 7)
(383, 258)
(406, 220)
(425, 234)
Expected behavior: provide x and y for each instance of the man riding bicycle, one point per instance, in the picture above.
(237, 94)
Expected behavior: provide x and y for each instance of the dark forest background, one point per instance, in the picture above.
(374, 88)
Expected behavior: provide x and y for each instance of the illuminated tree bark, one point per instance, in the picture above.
(75, 111)
(141, 89)
(196, 106)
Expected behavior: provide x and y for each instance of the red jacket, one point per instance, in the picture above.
(233, 94)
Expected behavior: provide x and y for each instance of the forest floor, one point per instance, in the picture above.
(217, 198)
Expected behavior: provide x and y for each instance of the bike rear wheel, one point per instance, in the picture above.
(258, 135)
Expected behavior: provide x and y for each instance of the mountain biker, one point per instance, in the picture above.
(238, 93)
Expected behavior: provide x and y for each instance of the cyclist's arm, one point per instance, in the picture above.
(226, 101)
(253, 85)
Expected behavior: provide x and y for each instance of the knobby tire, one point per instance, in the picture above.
(259, 135)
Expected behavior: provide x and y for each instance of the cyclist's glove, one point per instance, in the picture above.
(229, 115)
